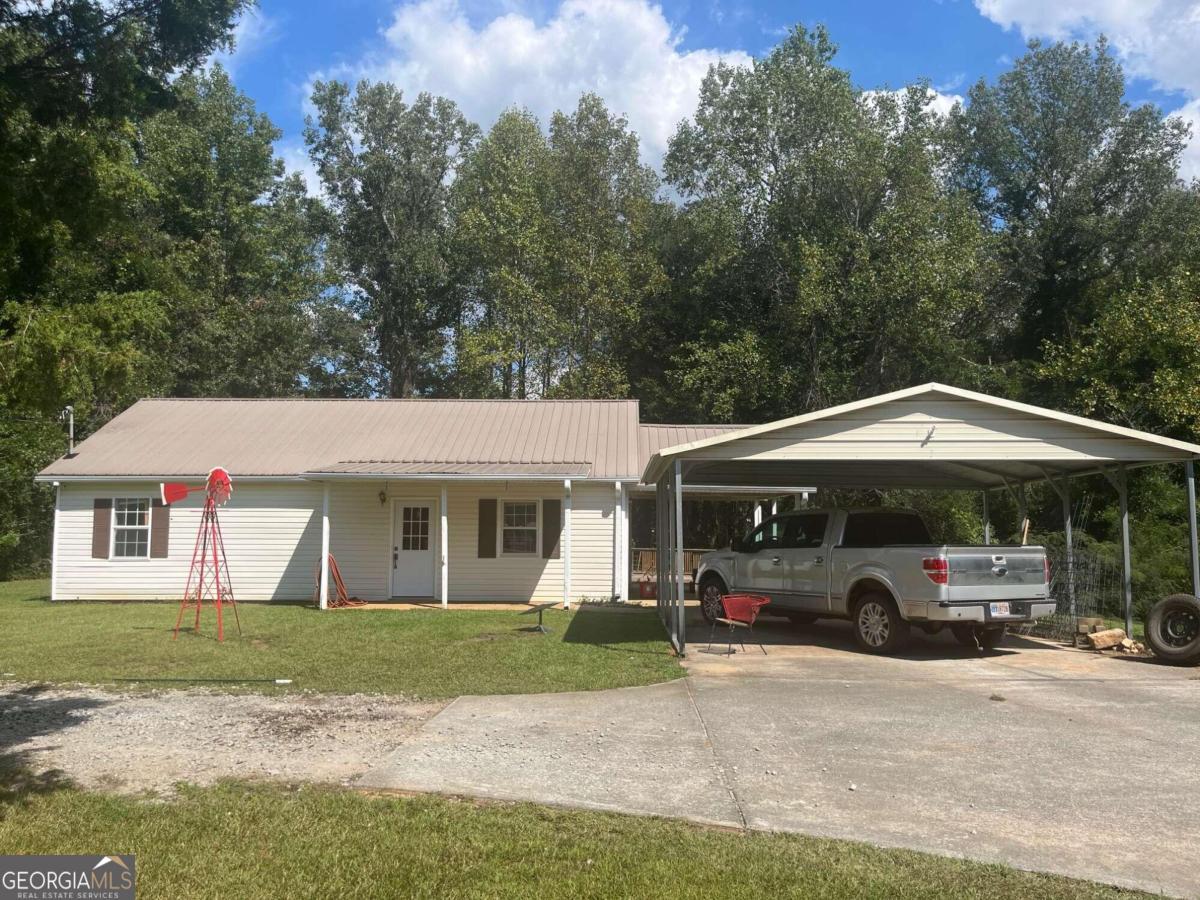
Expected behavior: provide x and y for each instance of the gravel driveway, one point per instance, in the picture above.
(134, 742)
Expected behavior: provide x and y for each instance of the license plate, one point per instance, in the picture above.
(1001, 609)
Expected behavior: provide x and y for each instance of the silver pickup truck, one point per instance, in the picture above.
(880, 569)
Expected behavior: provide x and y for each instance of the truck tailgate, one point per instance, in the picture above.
(996, 573)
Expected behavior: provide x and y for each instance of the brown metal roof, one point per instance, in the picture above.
(169, 437)
(652, 438)
(416, 467)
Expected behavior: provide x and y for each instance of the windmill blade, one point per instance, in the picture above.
(174, 491)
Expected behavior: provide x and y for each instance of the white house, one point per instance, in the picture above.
(456, 500)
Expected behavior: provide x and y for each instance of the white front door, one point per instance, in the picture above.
(412, 548)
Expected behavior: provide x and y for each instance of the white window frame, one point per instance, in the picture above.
(112, 529)
(537, 528)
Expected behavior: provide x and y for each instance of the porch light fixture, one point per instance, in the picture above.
(383, 498)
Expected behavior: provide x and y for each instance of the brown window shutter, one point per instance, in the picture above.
(101, 527)
(160, 528)
(487, 529)
(551, 527)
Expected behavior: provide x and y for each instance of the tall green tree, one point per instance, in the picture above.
(606, 272)
(79, 319)
(1069, 175)
(507, 332)
(819, 256)
(243, 278)
(386, 167)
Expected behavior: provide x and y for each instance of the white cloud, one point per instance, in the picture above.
(254, 31)
(936, 101)
(624, 50)
(1156, 39)
(1189, 166)
(295, 157)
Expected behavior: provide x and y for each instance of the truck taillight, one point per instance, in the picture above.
(937, 568)
(1046, 567)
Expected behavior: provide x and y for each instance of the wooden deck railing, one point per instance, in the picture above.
(644, 562)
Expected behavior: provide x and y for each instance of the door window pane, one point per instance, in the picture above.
(414, 528)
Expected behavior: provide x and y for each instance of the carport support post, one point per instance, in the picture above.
(1190, 472)
(677, 553)
(1065, 493)
(1022, 511)
(1126, 569)
(987, 520)
(325, 547)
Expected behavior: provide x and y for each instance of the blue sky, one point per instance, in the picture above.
(646, 59)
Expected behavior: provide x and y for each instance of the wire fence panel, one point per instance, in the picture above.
(1087, 585)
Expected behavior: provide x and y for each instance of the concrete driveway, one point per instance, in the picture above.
(1036, 756)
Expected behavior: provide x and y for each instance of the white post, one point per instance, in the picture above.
(677, 552)
(1070, 542)
(54, 544)
(757, 513)
(566, 542)
(620, 578)
(1022, 512)
(444, 541)
(1194, 550)
(325, 547)
(987, 520)
(1126, 565)
(775, 507)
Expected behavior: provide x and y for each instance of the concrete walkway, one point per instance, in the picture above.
(1039, 757)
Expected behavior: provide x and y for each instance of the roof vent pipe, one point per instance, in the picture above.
(68, 416)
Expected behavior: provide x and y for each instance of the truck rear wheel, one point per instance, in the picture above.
(1173, 630)
(712, 589)
(878, 627)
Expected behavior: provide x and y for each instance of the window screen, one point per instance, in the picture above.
(520, 527)
(131, 527)
(882, 529)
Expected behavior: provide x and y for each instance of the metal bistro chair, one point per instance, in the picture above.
(740, 612)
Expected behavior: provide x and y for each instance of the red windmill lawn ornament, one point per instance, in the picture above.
(208, 578)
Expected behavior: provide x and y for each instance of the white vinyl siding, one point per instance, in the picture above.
(360, 532)
(272, 534)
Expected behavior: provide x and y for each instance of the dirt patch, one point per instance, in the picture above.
(130, 743)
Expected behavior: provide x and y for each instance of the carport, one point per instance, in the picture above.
(932, 436)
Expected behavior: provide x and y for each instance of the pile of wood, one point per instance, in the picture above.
(1099, 637)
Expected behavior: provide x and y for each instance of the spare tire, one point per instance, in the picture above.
(1173, 630)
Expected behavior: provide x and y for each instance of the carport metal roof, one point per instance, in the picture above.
(929, 436)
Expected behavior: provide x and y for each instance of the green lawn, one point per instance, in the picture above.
(422, 653)
(249, 842)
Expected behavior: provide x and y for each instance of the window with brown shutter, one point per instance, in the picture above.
(487, 529)
(160, 529)
(551, 527)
